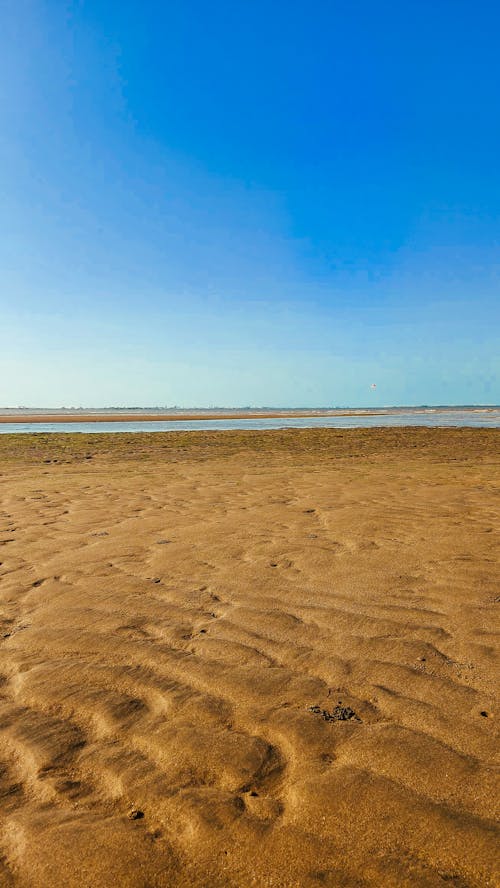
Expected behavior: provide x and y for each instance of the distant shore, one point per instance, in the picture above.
(176, 417)
(10, 415)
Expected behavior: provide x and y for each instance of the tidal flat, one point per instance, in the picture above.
(249, 658)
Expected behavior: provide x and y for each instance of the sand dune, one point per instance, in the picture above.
(238, 659)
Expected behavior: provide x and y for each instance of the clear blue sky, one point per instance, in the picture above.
(269, 203)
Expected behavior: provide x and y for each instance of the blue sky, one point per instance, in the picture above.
(249, 203)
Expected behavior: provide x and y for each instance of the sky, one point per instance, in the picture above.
(250, 203)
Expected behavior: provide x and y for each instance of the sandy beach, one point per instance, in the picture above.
(17, 415)
(249, 659)
(144, 416)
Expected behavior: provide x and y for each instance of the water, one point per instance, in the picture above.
(441, 419)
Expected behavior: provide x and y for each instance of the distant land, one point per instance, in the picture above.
(124, 414)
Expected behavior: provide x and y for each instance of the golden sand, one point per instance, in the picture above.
(207, 415)
(248, 659)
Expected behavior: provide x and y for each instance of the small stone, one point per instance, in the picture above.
(135, 814)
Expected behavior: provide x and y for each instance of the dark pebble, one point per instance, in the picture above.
(135, 814)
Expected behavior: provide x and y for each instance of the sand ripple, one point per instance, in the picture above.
(175, 625)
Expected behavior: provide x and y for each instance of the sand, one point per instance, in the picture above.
(186, 416)
(66, 415)
(249, 659)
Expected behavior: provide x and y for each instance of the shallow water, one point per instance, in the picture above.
(477, 419)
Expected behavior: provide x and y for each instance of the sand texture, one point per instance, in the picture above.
(64, 417)
(249, 659)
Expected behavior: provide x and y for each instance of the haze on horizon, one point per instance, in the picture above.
(249, 204)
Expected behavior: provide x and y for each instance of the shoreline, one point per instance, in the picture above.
(207, 416)
(171, 417)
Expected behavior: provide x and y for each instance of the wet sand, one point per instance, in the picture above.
(18, 415)
(178, 417)
(249, 658)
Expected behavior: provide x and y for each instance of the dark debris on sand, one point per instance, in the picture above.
(339, 713)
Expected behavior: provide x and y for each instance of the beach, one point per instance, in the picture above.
(15, 415)
(65, 416)
(249, 658)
